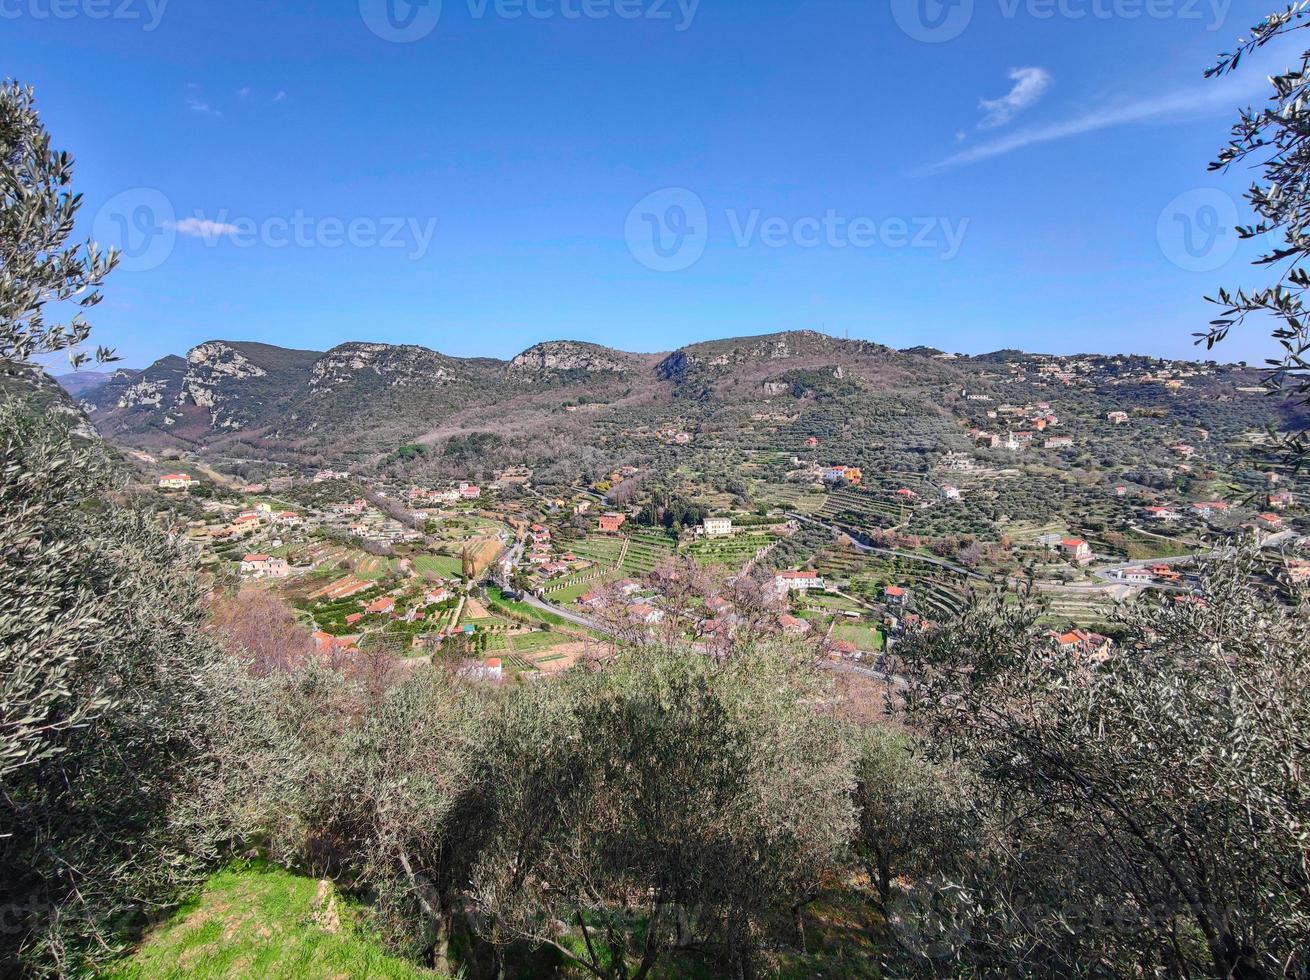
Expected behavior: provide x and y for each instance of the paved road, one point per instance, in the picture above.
(566, 614)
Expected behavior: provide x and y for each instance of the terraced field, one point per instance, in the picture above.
(936, 592)
(790, 496)
(1079, 609)
(865, 636)
(861, 508)
(535, 642)
(604, 550)
(614, 557)
(372, 567)
(734, 551)
(573, 588)
(646, 551)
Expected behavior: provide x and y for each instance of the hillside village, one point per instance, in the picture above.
(808, 538)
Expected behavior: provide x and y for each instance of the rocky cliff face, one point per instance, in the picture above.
(146, 393)
(128, 390)
(393, 366)
(219, 385)
(212, 370)
(717, 356)
(31, 384)
(565, 356)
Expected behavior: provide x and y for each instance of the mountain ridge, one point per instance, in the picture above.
(361, 400)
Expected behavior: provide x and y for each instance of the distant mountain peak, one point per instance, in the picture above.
(396, 365)
(554, 356)
(788, 344)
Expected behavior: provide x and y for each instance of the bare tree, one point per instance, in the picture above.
(258, 629)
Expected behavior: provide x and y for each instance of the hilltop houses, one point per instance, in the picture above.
(801, 581)
(1135, 574)
(1160, 513)
(177, 481)
(264, 566)
(383, 606)
(327, 643)
(1117, 418)
(843, 474)
(1280, 500)
(644, 613)
(1269, 522)
(489, 669)
(792, 626)
(1083, 641)
(1076, 549)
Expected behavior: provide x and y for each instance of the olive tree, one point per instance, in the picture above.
(1148, 811)
(1274, 139)
(912, 820)
(108, 682)
(38, 265)
(665, 801)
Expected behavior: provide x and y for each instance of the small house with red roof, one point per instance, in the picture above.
(1077, 549)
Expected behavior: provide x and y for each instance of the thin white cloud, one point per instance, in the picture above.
(1030, 84)
(203, 228)
(200, 105)
(244, 93)
(1202, 99)
(280, 97)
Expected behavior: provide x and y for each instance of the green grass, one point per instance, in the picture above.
(497, 603)
(370, 567)
(865, 636)
(261, 921)
(446, 566)
(536, 642)
(837, 602)
(576, 589)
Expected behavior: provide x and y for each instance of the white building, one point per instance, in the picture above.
(801, 581)
(176, 481)
(717, 527)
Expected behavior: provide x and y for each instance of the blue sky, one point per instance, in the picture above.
(648, 173)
